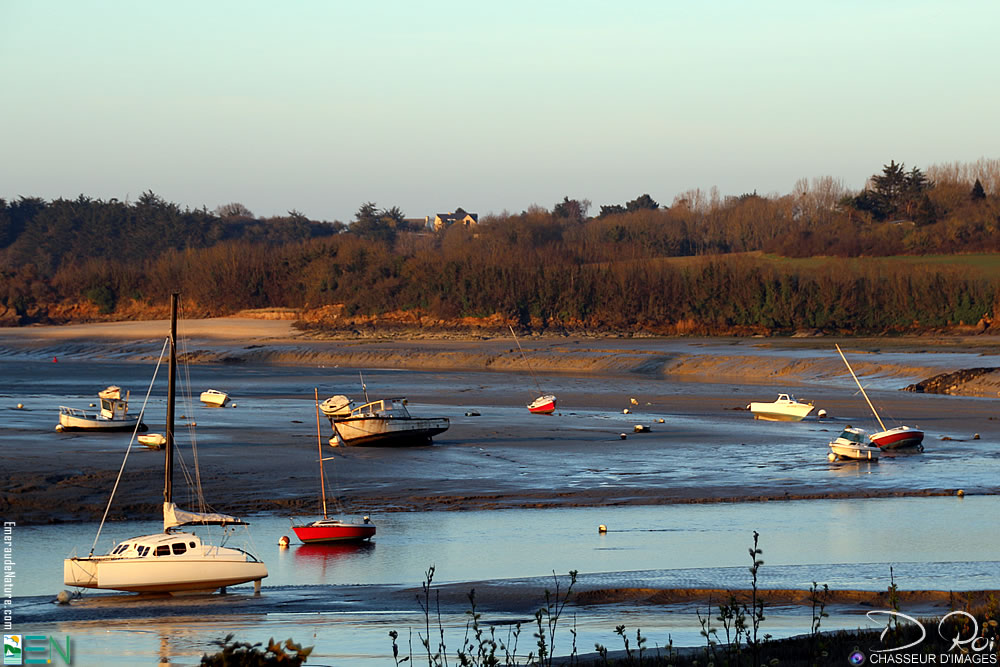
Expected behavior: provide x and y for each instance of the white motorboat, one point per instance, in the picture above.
(382, 423)
(785, 409)
(171, 561)
(112, 416)
(853, 443)
(214, 397)
(900, 437)
(152, 440)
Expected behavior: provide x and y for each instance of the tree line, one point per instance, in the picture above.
(622, 270)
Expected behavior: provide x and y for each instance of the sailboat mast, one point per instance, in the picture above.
(168, 482)
(537, 386)
(319, 445)
(874, 412)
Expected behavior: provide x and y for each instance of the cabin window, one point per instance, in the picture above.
(120, 548)
(179, 548)
(143, 551)
(191, 544)
(162, 550)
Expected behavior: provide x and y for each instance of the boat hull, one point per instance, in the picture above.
(70, 422)
(543, 405)
(327, 531)
(770, 412)
(854, 452)
(168, 575)
(901, 437)
(214, 398)
(389, 432)
(784, 409)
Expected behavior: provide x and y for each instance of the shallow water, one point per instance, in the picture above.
(930, 544)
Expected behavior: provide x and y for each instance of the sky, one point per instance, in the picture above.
(321, 106)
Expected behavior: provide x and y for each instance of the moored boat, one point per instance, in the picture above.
(327, 529)
(171, 561)
(784, 409)
(853, 443)
(112, 416)
(900, 437)
(152, 440)
(543, 405)
(214, 397)
(382, 423)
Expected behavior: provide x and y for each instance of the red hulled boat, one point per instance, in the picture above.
(327, 529)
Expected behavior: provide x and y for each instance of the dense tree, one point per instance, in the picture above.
(978, 193)
(642, 202)
(686, 268)
(573, 210)
(233, 210)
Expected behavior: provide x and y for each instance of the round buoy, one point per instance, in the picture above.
(821, 414)
(64, 597)
(93, 405)
(602, 528)
(960, 493)
(623, 436)
(20, 406)
(660, 420)
(832, 457)
(975, 436)
(234, 405)
(626, 411)
(59, 428)
(283, 542)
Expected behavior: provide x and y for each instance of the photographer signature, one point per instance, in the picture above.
(973, 642)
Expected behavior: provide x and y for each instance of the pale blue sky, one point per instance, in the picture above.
(321, 106)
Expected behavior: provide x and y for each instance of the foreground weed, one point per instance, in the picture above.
(756, 604)
(480, 646)
(243, 654)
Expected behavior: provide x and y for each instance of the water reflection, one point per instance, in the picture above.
(317, 558)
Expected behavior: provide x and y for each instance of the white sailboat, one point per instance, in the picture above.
(171, 561)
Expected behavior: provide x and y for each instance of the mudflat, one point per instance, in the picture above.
(702, 445)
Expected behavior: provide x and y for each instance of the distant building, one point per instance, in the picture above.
(442, 220)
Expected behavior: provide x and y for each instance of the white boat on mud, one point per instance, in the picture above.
(112, 416)
(784, 409)
(171, 561)
(152, 440)
(852, 443)
(214, 397)
(382, 423)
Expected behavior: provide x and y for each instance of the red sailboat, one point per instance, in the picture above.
(327, 529)
(545, 404)
(901, 437)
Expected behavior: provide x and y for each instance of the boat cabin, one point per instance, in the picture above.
(854, 435)
(387, 408)
(155, 546)
(114, 408)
